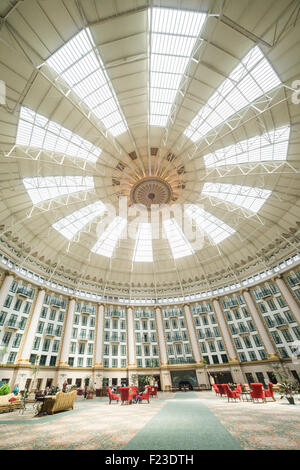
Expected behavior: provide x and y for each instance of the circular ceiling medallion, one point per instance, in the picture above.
(151, 190)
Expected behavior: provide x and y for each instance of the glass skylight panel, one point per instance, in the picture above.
(80, 66)
(43, 188)
(108, 240)
(270, 146)
(178, 243)
(72, 224)
(34, 130)
(250, 198)
(173, 37)
(143, 245)
(214, 227)
(252, 78)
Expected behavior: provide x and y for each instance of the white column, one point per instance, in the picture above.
(5, 287)
(192, 334)
(259, 325)
(130, 338)
(161, 338)
(225, 332)
(99, 337)
(31, 328)
(289, 298)
(67, 334)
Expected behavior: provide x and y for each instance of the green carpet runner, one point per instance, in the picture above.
(184, 423)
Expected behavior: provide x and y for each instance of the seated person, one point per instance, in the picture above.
(137, 399)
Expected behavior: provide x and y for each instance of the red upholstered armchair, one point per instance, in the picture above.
(257, 392)
(222, 389)
(112, 396)
(269, 392)
(134, 391)
(230, 393)
(146, 395)
(238, 388)
(153, 392)
(216, 389)
(126, 396)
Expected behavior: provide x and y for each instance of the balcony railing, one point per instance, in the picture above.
(11, 325)
(87, 310)
(182, 360)
(23, 291)
(57, 303)
(264, 292)
(115, 314)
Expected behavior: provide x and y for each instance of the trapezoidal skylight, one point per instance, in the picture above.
(214, 227)
(143, 245)
(271, 146)
(250, 198)
(34, 130)
(107, 242)
(178, 243)
(41, 189)
(72, 224)
(79, 64)
(252, 78)
(173, 36)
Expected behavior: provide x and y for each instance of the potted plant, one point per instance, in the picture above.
(287, 389)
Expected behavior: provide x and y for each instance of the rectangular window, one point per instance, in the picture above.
(6, 338)
(8, 301)
(17, 305)
(11, 357)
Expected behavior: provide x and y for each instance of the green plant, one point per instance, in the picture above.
(134, 380)
(287, 389)
(4, 390)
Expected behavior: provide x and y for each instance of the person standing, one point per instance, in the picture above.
(64, 387)
(16, 390)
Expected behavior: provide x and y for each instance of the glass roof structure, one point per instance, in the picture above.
(179, 245)
(173, 36)
(143, 245)
(79, 64)
(247, 197)
(270, 146)
(73, 223)
(252, 78)
(44, 188)
(35, 130)
(107, 242)
(215, 228)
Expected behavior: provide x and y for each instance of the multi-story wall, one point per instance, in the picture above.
(209, 334)
(147, 352)
(241, 335)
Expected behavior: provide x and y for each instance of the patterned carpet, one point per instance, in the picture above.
(94, 424)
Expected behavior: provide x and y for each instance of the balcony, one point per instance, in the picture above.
(114, 339)
(50, 333)
(56, 303)
(232, 303)
(173, 313)
(201, 310)
(281, 323)
(264, 293)
(87, 310)
(294, 280)
(115, 314)
(11, 326)
(181, 360)
(145, 314)
(24, 292)
(176, 338)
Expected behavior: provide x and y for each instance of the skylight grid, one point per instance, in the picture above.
(143, 245)
(83, 70)
(251, 198)
(252, 78)
(179, 245)
(216, 229)
(73, 223)
(44, 188)
(34, 130)
(270, 146)
(107, 242)
(173, 37)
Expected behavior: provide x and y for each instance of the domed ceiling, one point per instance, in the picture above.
(178, 124)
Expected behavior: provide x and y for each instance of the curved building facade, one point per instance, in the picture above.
(240, 335)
